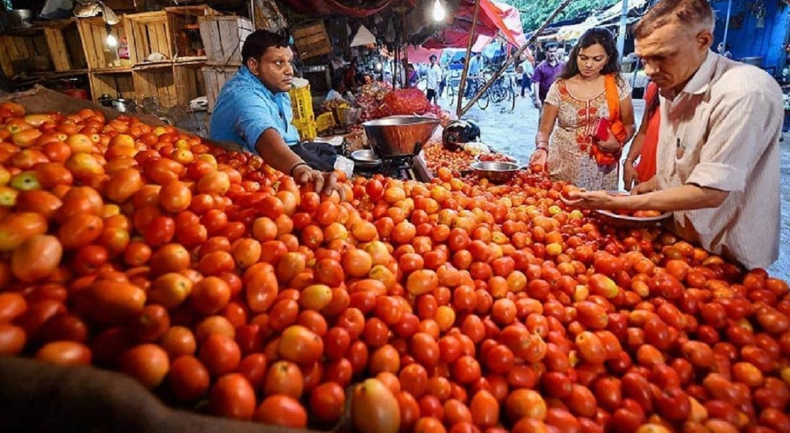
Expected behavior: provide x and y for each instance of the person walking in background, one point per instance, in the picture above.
(545, 75)
(588, 116)
(476, 65)
(443, 81)
(645, 142)
(434, 77)
(412, 76)
(525, 71)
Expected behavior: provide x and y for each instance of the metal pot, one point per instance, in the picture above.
(120, 105)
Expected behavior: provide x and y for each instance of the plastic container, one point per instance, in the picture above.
(301, 103)
(307, 129)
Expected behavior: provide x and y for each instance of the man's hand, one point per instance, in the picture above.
(630, 176)
(591, 200)
(539, 156)
(645, 187)
(536, 102)
(323, 182)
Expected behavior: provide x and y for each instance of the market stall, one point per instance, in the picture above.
(225, 288)
(152, 280)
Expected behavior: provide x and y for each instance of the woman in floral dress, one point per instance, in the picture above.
(574, 105)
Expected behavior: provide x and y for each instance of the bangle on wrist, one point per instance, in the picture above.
(293, 167)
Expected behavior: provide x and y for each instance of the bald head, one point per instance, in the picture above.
(694, 15)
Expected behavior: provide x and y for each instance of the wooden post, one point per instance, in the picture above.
(516, 55)
(461, 85)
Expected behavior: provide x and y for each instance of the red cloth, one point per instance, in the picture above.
(494, 19)
(647, 161)
(334, 7)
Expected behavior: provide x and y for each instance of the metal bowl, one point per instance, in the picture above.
(399, 136)
(365, 158)
(626, 221)
(497, 172)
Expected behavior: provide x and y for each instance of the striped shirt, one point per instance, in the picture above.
(722, 131)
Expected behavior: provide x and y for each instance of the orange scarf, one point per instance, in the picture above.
(617, 128)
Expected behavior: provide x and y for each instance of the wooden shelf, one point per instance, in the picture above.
(104, 71)
(152, 65)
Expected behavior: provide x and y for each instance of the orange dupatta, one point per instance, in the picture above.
(616, 124)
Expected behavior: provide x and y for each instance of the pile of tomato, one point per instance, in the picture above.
(448, 306)
(436, 157)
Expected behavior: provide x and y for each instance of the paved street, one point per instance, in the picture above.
(513, 133)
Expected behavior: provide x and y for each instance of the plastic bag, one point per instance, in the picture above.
(345, 165)
(56, 10)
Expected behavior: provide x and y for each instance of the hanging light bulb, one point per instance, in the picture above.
(111, 40)
(438, 11)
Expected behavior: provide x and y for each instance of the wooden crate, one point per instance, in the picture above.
(184, 26)
(190, 82)
(65, 45)
(93, 35)
(17, 49)
(311, 40)
(148, 33)
(105, 82)
(156, 80)
(214, 78)
(223, 38)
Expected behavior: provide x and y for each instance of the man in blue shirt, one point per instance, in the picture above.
(476, 65)
(253, 109)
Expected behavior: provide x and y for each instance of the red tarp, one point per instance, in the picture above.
(422, 55)
(494, 18)
(334, 7)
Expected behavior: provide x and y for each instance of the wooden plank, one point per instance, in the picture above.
(307, 40)
(161, 43)
(74, 48)
(57, 49)
(307, 30)
(229, 40)
(5, 57)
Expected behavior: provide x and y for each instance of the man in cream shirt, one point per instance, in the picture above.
(718, 154)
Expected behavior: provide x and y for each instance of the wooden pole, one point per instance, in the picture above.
(468, 59)
(516, 55)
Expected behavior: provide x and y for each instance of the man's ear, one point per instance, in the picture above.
(705, 39)
(252, 65)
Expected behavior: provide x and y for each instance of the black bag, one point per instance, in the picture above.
(319, 156)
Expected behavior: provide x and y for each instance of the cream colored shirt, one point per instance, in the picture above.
(722, 131)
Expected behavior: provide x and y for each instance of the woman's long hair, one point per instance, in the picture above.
(595, 35)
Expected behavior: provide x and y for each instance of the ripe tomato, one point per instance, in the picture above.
(232, 397)
(281, 410)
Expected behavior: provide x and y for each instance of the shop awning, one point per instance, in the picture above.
(609, 15)
(422, 55)
(494, 19)
(337, 7)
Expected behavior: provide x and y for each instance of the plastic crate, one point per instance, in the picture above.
(325, 122)
(302, 104)
(307, 129)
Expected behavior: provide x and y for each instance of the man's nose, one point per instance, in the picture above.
(289, 70)
(651, 68)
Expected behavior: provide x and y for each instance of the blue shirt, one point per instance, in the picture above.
(475, 65)
(245, 108)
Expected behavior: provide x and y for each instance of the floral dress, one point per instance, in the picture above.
(570, 157)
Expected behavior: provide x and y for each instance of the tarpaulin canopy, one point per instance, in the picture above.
(574, 31)
(494, 19)
(337, 7)
(422, 55)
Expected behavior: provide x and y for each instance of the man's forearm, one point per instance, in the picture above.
(275, 151)
(686, 197)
